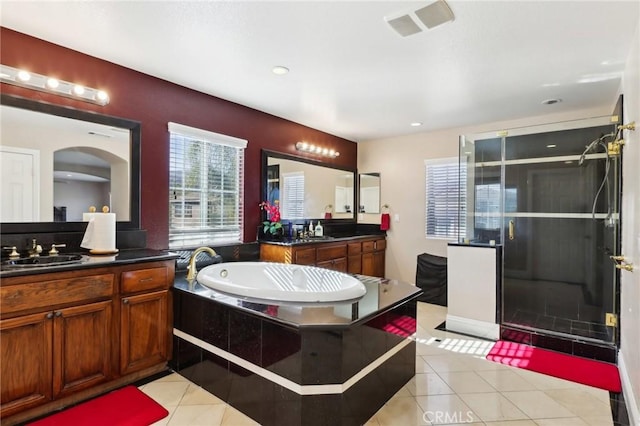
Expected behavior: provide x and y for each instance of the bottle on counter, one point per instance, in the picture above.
(319, 231)
(312, 230)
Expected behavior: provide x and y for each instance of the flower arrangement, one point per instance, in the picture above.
(272, 225)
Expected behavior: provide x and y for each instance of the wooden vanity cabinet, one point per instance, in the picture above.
(62, 348)
(354, 262)
(332, 256)
(68, 336)
(145, 321)
(373, 257)
(359, 255)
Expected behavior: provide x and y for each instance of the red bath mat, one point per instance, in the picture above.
(124, 407)
(581, 370)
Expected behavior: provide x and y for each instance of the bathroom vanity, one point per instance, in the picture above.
(295, 363)
(72, 332)
(356, 255)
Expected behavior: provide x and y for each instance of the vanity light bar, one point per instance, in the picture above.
(316, 149)
(47, 84)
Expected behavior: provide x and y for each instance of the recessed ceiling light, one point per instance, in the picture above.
(416, 124)
(551, 101)
(551, 145)
(280, 70)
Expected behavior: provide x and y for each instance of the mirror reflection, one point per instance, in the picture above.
(309, 191)
(369, 193)
(54, 168)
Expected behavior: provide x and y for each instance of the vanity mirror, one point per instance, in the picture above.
(77, 158)
(369, 193)
(306, 189)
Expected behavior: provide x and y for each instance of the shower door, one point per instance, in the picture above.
(560, 225)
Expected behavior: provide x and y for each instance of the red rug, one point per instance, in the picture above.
(581, 370)
(123, 407)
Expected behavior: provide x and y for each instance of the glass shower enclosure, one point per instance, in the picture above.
(549, 195)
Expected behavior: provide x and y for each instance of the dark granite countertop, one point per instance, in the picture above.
(121, 258)
(382, 294)
(315, 240)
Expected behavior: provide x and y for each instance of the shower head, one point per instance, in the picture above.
(588, 148)
(593, 145)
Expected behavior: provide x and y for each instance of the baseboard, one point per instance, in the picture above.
(482, 329)
(630, 400)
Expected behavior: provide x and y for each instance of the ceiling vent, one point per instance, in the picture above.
(427, 17)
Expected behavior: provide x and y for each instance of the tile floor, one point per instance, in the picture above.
(454, 384)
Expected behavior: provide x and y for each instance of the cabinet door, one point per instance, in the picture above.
(368, 264)
(378, 262)
(354, 265)
(25, 362)
(143, 331)
(82, 341)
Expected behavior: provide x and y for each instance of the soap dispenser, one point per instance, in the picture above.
(311, 228)
(319, 230)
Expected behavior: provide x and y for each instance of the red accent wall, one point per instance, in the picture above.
(155, 102)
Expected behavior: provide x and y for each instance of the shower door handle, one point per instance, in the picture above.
(512, 230)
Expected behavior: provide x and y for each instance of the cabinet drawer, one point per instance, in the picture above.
(305, 256)
(144, 279)
(330, 252)
(354, 248)
(368, 246)
(45, 294)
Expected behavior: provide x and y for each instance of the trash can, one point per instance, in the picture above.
(431, 277)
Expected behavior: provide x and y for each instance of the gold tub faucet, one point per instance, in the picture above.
(191, 275)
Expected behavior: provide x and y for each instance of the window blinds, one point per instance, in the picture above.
(206, 185)
(292, 203)
(446, 205)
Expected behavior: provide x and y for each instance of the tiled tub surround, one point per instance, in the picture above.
(298, 364)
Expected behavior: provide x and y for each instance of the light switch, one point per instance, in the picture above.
(396, 217)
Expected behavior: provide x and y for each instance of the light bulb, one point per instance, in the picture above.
(78, 90)
(52, 83)
(24, 75)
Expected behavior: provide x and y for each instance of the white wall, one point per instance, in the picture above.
(629, 360)
(400, 161)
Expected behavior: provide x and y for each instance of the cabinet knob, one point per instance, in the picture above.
(49, 315)
(125, 301)
(58, 314)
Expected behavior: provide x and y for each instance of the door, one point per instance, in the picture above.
(81, 347)
(25, 362)
(143, 331)
(20, 184)
(560, 226)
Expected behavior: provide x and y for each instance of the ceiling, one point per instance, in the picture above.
(351, 75)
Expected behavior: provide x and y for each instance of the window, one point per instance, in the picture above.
(292, 202)
(445, 203)
(206, 182)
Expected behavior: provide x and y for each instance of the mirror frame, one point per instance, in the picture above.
(263, 182)
(134, 128)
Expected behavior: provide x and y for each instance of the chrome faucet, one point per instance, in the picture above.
(191, 275)
(35, 249)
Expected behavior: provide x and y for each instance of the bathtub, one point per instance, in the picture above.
(280, 282)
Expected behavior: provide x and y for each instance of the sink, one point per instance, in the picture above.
(35, 262)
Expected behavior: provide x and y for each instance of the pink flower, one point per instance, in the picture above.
(272, 224)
